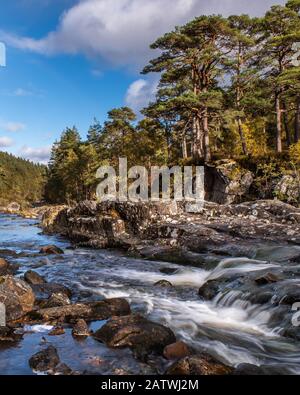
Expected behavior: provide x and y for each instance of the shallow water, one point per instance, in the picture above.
(229, 327)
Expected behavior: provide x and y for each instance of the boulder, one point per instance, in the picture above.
(33, 278)
(163, 284)
(46, 290)
(135, 332)
(209, 290)
(6, 268)
(17, 296)
(288, 189)
(8, 335)
(177, 350)
(55, 300)
(51, 250)
(226, 182)
(80, 329)
(268, 278)
(199, 365)
(91, 311)
(45, 360)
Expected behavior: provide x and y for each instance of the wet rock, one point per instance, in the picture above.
(163, 284)
(268, 278)
(135, 332)
(6, 268)
(63, 370)
(45, 360)
(293, 332)
(57, 331)
(91, 311)
(51, 250)
(33, 278)
(46, 290)
(80, 329)
(209, 290)
(288, 295)
(199, 365)
(8, 335)
(177, 350)
(261, 297)
(17, 297)
(55, 300)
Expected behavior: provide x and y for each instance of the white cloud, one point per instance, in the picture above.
(120, 31)
(13, 126)
(6, 142)
(22, 92)
(41, 155)
(140, 93)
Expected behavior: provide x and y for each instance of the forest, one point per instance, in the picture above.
(21, 181)
(229, 88)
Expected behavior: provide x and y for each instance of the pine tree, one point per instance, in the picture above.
(279, 31)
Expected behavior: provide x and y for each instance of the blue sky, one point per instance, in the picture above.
(69, 61)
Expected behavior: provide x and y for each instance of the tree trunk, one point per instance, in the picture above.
(207, 153)
(286, 125)
(198, 138)
(242, 136)
(279, 124)
(297, 121)
(184, 147)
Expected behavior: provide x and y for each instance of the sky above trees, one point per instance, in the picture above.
(69, 61)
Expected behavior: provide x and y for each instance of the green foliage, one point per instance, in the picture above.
(21, 181)
(294, 152)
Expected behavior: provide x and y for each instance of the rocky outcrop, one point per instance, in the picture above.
(17, 297)
(137, 333)
(105, 225)
(226, 182)
(90, 311)
(168, 233)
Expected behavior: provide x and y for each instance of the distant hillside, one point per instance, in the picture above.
(20, 180)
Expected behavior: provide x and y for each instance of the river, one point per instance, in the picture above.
(228, 327)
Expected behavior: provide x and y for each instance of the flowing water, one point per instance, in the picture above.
(229, 327)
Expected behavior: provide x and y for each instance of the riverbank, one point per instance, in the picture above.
(158, 229)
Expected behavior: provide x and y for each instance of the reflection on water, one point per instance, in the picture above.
(229, 327)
